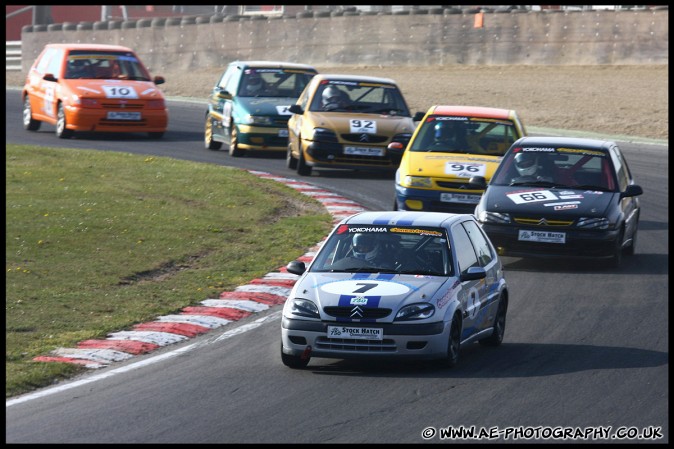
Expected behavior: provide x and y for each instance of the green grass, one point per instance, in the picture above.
(99, 241)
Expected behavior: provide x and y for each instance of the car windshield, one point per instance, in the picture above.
(473, 135)
(360, 97)
(385, 249)
(575, 168)
(281, 83)
(104, 65)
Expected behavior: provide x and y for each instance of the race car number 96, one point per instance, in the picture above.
(465, 170)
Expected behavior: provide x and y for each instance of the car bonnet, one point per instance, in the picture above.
(369, 290)
(343, 123)
(264, 105)
(448, 165)
(112, 89)
(536, 200)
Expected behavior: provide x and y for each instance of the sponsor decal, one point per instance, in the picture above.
(358, 300)
(445, 118)
(543, 149)
(417, 231)
(566, 207)
(565, 203)
(353, 230)
(449, 294)
(582, 151)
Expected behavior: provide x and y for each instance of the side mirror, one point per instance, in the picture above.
(49, 77)
(159, 80)
(478, 182)
(296, 109)
(473, 273)
(296, 267)
(632, 190)
(418, 116)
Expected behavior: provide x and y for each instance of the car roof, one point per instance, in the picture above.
(471, 111)
(406, 218)
(576, 142)
(273, 64)
(103, 47)
(356, 78)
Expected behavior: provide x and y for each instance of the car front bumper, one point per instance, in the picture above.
(95, 120)
(432, 200)
(409, 341)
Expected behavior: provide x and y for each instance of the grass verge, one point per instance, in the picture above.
(97, 241)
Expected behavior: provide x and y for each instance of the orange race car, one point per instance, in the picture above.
(94, 88)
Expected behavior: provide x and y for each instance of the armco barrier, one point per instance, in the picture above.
(536, 38)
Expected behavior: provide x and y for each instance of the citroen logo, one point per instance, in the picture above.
(364, 138)
(542, 222)
(357, 312)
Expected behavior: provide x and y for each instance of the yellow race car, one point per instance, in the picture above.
(451, 145)
(348, 122)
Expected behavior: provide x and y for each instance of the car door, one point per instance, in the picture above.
(472, 294)
(488, 291)
(629, 205)
(42, 92)
(220, 104)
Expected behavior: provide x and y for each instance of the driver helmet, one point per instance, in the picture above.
(332, 95)
(253, 84)
(365, 246)
(443, 131)
(526, 164)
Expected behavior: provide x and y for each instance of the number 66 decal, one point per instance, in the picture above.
(465, 169)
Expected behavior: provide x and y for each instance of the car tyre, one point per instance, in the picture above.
(302, 168)
(630, 250)
(496, 338)
(209, 143)
(453, 343)
(29, 124)
(291, 162)
(155, 135)
(234, 150)
(294, 361)
(616, 260)
(62, 132)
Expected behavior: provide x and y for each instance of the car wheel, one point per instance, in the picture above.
(234, 150)
(155, 135)
(302, 168)
(294, 361)
(291, 162)
(453, 343)
(209, 143)
(496, 338)
(62, 131)
(29, 123)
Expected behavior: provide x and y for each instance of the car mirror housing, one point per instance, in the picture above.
(49, 77)
(418, 116)
(296, 109)
(632, 190)
(296, 267)
(478, 182)
(159, 80)
(473, 273)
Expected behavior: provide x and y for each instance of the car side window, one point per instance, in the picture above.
(465, 253)
(42, 65)
(484, 252)
(621, 170)
(232, 83)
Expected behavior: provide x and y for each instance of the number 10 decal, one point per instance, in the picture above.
(119, 92)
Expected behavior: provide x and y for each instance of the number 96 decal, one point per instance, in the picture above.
(465, 170)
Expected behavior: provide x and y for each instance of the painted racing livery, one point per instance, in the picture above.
(560, 197)
(248, 107)
(450, 145)
(348, 122)
(396, 284)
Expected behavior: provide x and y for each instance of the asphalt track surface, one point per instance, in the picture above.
(585, 351)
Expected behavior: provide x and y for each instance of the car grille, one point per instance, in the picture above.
(367, 313)
(344, 344)
(125, 106)
(542, 221)
(358, 138)
(452, 208)
(454, 185)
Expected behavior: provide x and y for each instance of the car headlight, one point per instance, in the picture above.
(256, 120)
(416, 181)
(323, 135)
(418, 311)
(593, 223)
(304, 307)
(155, 104)
(484, 216)
(85, 102)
